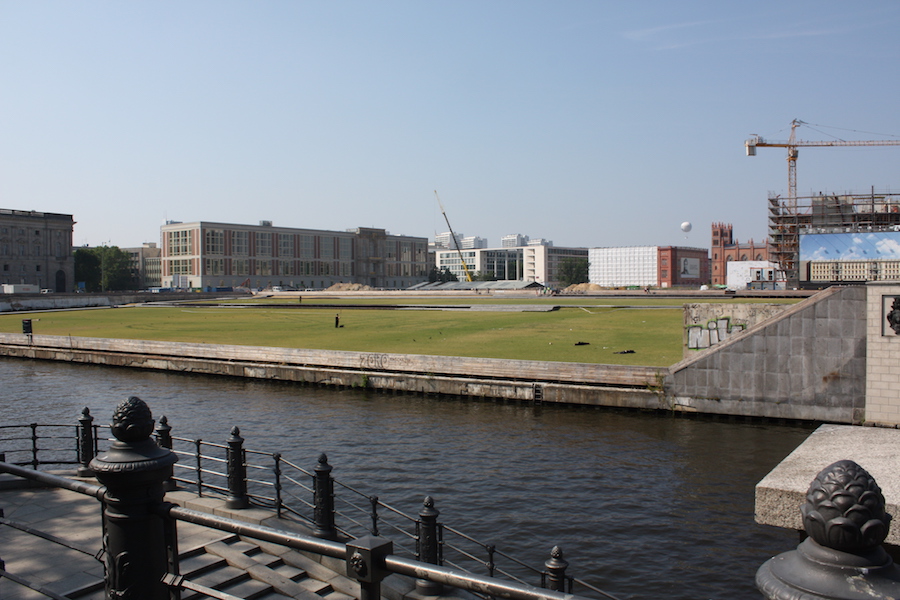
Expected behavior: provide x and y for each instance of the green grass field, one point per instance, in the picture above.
(655, 334)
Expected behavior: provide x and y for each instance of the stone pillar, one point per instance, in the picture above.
(882, 347)
(138, 544)
(842, 558)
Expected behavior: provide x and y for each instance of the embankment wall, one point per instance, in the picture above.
(571, 383)
(17, 302)
(806, 363)
(809, 363)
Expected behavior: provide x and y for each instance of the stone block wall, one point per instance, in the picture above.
(807, 363)
(883, 362)
(709, 324)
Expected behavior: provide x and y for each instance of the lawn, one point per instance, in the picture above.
(654, 334)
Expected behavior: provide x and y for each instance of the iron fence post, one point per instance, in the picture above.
(428, 545)
(490, 560)
(278, 501)
(164, 439)
(85, 442)
(365, 563)
(323, 500)
(237, 472)
(137, 542)
(198, 447)
(34, 447)
(556, 570)
(373, 500)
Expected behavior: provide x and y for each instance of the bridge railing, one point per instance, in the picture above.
(245, 477)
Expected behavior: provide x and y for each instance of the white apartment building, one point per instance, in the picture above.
(513, 240)
(445, 240)
(473, 241)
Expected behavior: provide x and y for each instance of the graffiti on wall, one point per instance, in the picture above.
(716, 331)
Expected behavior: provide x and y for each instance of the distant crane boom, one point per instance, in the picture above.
(793, 143)
(453, 235)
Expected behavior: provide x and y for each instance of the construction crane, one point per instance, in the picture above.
(453, 235)
(793, 143)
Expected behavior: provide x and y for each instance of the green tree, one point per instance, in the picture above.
(446, 275)
(103, 269)
(572, 271)
(87, 269)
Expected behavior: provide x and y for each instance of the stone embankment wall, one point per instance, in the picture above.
(572, 383)
(15, 302)
(807, 363)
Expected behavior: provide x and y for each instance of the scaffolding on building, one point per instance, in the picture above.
(825, 213)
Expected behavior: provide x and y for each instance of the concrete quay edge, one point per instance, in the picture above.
(781, 493)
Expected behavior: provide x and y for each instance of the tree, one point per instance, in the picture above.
(446, 275)
(103, 269)
(485, 276)
(572, 271)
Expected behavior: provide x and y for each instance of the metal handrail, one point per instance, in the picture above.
(391, 563)
(286, 482)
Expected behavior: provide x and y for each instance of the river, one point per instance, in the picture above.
(643, 505)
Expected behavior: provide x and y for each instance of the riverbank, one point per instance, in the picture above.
(530, 381)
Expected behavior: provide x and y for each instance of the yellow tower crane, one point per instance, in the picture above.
(793, 143)
(453, 235)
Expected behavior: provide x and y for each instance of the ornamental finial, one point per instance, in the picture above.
(844, 509)
(132, 421)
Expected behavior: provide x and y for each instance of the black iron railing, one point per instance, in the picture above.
(332, 508)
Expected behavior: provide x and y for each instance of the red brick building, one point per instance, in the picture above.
(725, 248)
(680, 266)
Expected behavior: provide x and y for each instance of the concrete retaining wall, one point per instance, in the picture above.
(14, 302)
(807, 363)
(572, 383)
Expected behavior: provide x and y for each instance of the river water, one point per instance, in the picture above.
(643, 505)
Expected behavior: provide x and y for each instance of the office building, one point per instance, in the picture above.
(223, 255)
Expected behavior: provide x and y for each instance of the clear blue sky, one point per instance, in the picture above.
(590, 123)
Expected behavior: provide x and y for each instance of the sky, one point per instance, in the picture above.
(586, 122)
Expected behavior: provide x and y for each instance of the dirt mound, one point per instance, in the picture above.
(582, 287)
(349, 287)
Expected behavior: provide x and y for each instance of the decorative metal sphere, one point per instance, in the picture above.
(844, 509)
(132, 421)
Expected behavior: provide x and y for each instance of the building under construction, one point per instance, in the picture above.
(841, 217)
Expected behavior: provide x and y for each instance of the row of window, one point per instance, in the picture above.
(242, 267)
(264, 244)
(10, 249)
(22, 268)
